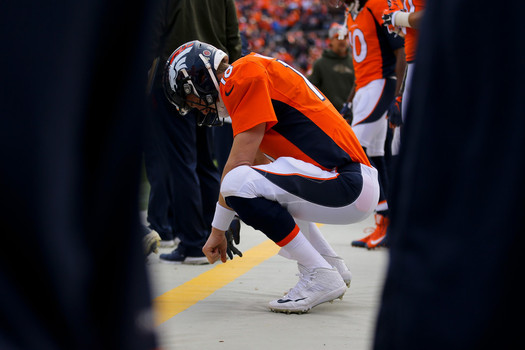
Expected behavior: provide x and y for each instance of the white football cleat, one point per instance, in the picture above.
(315, 287)
(341, 267)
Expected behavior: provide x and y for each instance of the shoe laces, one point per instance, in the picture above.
(378, 221)
(380, 229)
(369, 230)
(305, 280)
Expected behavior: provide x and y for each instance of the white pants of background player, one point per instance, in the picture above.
(370, 135)
(396, 141)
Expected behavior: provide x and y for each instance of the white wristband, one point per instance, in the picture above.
(400, 19)
(222, 218)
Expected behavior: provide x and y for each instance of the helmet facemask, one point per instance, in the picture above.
(211, 118)
(209, 100)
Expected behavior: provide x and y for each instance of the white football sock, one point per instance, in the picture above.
(316, 238)
(304, 253)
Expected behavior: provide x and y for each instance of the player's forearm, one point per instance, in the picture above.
(407, 19)
(244, 150)
(400, 69)
(351, 95)
(415, 19)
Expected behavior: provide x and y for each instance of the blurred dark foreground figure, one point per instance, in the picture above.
(72, 272)
(456, 234)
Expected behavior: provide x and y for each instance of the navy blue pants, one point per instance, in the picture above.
(222, 144)
(184, 180)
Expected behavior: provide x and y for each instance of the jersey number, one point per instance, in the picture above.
(308, 83)
(409, 6)
(358, 38)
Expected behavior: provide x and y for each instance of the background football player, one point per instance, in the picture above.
(379, 63)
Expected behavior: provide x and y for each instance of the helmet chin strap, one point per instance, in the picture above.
(210, 71)
(214, 79)
(221, 109)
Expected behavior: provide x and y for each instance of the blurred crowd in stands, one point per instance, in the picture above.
(292, 30)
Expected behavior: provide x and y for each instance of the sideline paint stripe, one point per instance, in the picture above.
(182, 297)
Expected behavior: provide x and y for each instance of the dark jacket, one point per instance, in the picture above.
(210, 21)
(334, 76)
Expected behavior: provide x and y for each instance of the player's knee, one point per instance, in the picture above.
(235, 182)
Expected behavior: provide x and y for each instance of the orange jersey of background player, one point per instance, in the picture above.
(372, 45)
(300, 121)
(412, 34)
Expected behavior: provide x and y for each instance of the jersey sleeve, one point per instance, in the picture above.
(247, 98)
(394, 40)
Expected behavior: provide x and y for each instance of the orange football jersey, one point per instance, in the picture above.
(300, 121)
(372, 46)
(412, 34)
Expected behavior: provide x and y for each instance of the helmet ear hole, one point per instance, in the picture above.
(209, 99)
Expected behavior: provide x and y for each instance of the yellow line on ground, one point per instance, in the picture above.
(182, 297)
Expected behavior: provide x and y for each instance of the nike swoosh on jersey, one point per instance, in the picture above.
(227, 93)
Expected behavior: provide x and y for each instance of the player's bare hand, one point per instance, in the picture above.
(216, 246)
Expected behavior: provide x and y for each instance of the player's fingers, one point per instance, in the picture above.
(237, 251)
(237, 236)
(213, 258)
(223, 255)
(211, 254)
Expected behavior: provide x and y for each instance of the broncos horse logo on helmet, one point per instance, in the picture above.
(191, 70)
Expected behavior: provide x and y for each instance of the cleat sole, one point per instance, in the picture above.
(304, 311)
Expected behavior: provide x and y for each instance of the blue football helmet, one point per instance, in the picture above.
(191, 69)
